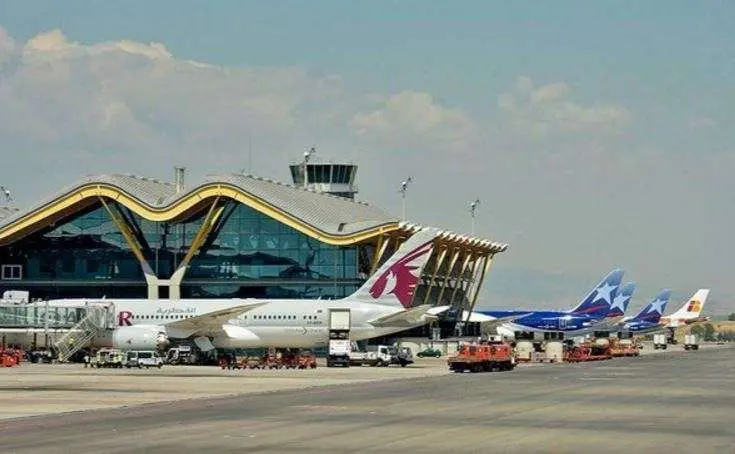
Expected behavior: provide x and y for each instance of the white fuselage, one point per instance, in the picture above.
(277, 323)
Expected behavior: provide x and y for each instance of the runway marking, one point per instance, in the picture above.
(597, 378)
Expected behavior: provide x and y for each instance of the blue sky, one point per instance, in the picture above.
(597, 134)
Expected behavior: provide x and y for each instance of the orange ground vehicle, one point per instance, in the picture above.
(307, 360)
(587, 352)
(10, 357)
(623, 347)
(287, 359)
(483, 357)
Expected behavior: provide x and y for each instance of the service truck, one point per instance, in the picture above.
(358, 358)
(659, 341)
(691, 342)
(339, 338)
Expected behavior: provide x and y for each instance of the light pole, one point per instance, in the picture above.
(473, 210)
(307, 155)
(404, 186)
(6, 192)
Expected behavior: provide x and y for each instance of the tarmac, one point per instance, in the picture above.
(674, 400)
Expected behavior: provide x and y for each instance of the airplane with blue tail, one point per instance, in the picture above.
(620, 303)
(592, 310)
(648, 320)
(618, 308)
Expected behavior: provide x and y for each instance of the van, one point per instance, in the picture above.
(144, 358)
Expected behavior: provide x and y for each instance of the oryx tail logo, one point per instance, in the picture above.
(399, 279)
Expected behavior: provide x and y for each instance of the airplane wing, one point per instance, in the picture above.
(491, 324)
(410, 317)
(213, 320)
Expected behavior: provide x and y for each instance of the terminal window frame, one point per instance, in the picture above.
(12, 272)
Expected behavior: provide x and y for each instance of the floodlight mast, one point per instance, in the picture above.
(473, 210)
(6, 193)
(404, 187)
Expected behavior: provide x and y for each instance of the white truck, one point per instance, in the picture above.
(339, 353)
(659, 341)
(339, 338)
(691, 342)
(182, 354)
(358, 358)
(144, 358)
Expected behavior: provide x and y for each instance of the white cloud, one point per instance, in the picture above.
(139, 98)
(7, 45)
(546, 109)
(700, 123)
(412, 115)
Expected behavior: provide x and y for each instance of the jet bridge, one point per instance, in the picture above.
(73, 327)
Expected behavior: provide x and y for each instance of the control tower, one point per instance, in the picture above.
(336, 178)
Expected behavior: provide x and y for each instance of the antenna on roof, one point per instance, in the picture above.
(473, 209)
(250, 154)
(404, 187)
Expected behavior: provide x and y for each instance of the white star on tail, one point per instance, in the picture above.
(657, 305)
(604, 292)
(619, 303)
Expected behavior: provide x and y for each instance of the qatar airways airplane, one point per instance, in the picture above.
(380, 307)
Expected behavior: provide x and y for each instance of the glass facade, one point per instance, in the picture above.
(87, 247)
(269, 259)
(165, 244)
(247, 254)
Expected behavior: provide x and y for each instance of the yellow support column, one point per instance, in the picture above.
(437, 265)
(475, 273)
(452, 261)
(459, 277)
(150, 276)
(380, 248)
(201, 236)
(485, 269)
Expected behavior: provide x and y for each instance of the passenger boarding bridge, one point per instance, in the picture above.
(72, 328)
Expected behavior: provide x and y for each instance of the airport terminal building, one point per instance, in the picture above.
(125, 236)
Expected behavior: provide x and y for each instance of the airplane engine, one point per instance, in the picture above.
(149, 337)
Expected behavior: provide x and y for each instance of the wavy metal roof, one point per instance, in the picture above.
(6, 212)
(329, 218)
(332, 215)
